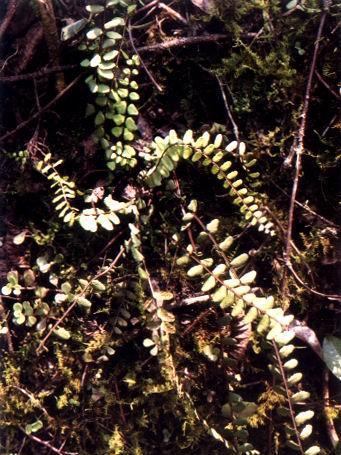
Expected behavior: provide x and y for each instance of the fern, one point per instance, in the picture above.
(64, 189)
(114, 85)
(164, 154)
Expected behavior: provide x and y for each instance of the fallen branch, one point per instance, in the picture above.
(179, 42)
(298, 149)
(37, 74)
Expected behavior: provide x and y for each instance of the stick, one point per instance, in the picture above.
(298, 149)
(188, 41)
(228, 110)
(151, 77)
(37, 74)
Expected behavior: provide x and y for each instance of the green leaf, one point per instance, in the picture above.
(292, 4)
(147, 343)
(313, 450)
(164, 295)
(94, 33)
(306, 432)
(117, 21)
(331, 348)
(127, 135)
(134, 96)
(303, 416)
(209, 284)
(19, 319)
(100, 118)
(220, 294)
(19, 238)
(225, 245)
(82, 301)
(290, 364)
(213, 226)
(300, 396)
(6, 290)
(71, 30)
(248, 278)
(31, 320)
(104, 221)
(94, 8)
(105, 74)
(110, 55)
(132, 110)
(33, 427)
(88, 222)
(13, 277)
(165, 315)
(17, 307)
(196, 270)
(62, 333)
(103, 88)
(239, 261)
(98, 285)
(66, 287)
(117, 131)
(95, 61)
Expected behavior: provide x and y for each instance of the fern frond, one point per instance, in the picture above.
(165, 153)
(64, 189)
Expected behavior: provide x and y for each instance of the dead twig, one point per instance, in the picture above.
(328, 87)
(172, 12)
(228, 110)
(180, 42)
(151, 77)
(298, 149)
(46, 444)
(43, 109)
(117, 393)
(37, 74)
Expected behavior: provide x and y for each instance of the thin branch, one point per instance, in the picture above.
(328, 87)
(117, 393)
(172, 13)
(36, 74)
(151, 77)
(46, 444)
(180, 42)
(43, 109)
(228, 110)
(308, 209)
(299, 147)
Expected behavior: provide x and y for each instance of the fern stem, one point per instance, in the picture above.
(285, 382)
